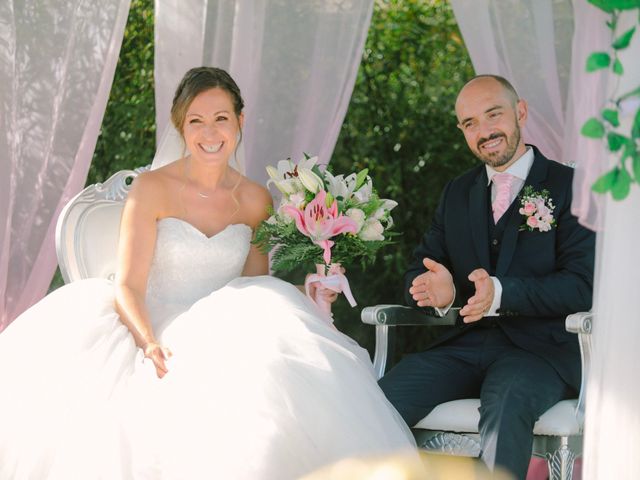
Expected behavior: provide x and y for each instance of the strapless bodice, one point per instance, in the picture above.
(187, 265)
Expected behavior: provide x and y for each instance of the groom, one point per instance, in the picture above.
(516, 268)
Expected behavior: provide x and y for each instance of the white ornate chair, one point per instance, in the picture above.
(452, 427)
(88, 228)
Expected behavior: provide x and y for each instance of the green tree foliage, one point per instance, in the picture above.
(401, 125)
(127, 137)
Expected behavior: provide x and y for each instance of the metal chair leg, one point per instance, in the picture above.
(561, 461)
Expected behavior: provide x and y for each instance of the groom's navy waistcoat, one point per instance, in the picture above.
(545, 276)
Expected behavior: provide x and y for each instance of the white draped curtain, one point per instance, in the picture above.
(612, 431)
(295, 62)
(542, 47)
(57, 60)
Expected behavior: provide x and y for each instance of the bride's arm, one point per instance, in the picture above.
(255, 201)
(135, 252)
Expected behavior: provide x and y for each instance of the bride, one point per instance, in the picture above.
(193, 363)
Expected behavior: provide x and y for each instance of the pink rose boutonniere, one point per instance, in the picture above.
(537, 209)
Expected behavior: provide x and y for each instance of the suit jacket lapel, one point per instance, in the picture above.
(478, 219)
(536, 177)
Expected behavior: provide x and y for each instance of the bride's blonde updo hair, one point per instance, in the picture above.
(196, 81)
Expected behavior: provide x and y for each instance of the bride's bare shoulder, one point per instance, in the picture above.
(254, 193)
(254, 199)
(157, 184)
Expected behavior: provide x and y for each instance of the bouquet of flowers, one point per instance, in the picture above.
(323, 219)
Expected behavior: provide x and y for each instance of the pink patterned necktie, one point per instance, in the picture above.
(503, 183)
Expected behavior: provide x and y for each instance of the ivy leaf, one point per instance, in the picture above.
(635, 164)
(623, 40)
(635, 129)
(605, 182)
(598, 60)
(622, 185)
(618, 69)
(611, 116)
(593, 128)
(602, 5)
(616, 141)
(609, 5)
(629, 150)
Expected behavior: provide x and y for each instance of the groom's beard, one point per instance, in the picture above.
(498, 159)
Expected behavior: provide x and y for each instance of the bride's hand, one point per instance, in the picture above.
(322, 294)
(158, 355)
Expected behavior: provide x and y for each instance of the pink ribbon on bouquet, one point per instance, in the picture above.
(335, 281)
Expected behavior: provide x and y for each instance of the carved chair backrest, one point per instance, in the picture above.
(88, 228)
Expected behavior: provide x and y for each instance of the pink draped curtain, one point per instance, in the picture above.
(295, 62)
(57, 60)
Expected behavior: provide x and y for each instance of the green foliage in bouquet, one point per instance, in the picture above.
(292, 250)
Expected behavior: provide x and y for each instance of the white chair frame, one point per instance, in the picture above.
(452, 427)
(88, 228)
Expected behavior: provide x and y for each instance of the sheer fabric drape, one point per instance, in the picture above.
(57, 60)
(295, 62)
(612, 428)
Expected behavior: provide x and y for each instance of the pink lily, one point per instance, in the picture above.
(320, 222)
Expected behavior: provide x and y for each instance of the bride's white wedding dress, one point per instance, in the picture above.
(259, 386)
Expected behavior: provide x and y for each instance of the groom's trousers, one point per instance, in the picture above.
(515, 387)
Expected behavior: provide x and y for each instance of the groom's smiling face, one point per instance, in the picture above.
(491, 119)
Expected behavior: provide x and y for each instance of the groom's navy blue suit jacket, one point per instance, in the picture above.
(544, 275)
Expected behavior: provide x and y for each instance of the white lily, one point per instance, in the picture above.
(372, 230)
(282, 216)
(286, 174)
(291, 178)
(297, 200)
(385, 208)
(310, 180)
(357, 216)
(363, 194)
(340, 187)
(286, 184)
(388, 205)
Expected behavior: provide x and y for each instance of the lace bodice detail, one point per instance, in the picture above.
(187, 265)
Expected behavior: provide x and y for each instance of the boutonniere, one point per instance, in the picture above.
(537, 209)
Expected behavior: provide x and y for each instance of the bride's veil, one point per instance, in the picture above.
(171, 148)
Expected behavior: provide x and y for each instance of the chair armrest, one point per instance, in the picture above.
(385, 316)
(581, 324)
(397, 315)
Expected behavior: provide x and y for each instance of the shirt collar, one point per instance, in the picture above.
(520, 168)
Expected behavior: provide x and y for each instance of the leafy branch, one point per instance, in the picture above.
(618, 180)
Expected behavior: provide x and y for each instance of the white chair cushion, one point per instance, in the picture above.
(463, 416)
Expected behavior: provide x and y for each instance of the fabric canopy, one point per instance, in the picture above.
(57, 60)
(295, 62)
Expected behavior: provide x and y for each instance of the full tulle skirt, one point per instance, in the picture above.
(260, 386)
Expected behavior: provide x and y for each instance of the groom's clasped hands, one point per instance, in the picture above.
(434, 288)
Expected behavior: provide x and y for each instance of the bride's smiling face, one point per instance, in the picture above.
(211, 127)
